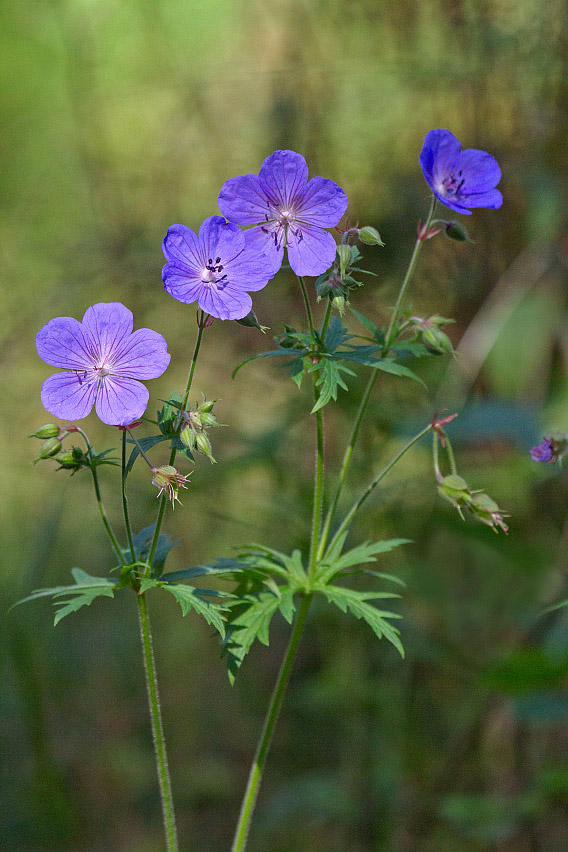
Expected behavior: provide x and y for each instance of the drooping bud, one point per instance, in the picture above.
(72, 460)
(345, 254)
(203, 444)
(49, 430)
(251, 321)
(168, 481)
(187, 437)
(48, 449)
(370, 236)
(457, 231)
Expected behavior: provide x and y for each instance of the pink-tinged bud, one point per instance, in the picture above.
(130, 425)
(168, 481)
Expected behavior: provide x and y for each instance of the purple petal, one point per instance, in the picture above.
(480, 170)
(120, 400)
(183, 285)
(451, 202)
(492, 199)
(144, 355)
(250, 270)
(67, 397)
(181, 247)
(219, 238)
(243, 200)
(61, 343)
(261, 240)
(283, 176)
(227, 304)
(439, 154)
(313, 253)
(322, 203)
(105, 326)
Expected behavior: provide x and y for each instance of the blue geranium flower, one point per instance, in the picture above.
(288, 210)
(460, 179)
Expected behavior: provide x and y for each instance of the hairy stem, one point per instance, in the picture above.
(164, 499)
(125, 500)
(370, 488)
(255, 775)
(105, 520)
(157, 729)
(389, 338)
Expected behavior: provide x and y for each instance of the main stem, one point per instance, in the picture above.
(157, 729)
(164, 499)
(389, 339)
(255, 775)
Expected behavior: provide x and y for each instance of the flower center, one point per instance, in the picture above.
(211, 274)
(453, 184)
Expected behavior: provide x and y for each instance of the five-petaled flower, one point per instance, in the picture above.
(460, 179)
(215, 268)
(288, 211)
(103, 359)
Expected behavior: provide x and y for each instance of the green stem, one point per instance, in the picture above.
(255, 775)
(307, 304)
(390, 333)
(105, 520)
(157, 729)
(125, 500)
(318, 489)
(436, 456)
(371, 384)
(164, 499)
(369, 490)
(326, 320)
(450, 453)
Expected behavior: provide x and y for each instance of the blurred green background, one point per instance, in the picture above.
(122, 118)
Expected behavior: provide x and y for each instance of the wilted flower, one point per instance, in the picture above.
(168, 481)
(103, 359)
(460, 179)
(215, 268)
(288, 211)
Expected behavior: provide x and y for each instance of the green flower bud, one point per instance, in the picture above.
(345, 254)
(49, 430)
(457, 231)
(203, 444)
(207, 405)
(208, 419)
(437, 340)
(187, 437)
(453, 486)
(339, 303)
(370, 236)
(48, 449)
(251, 321)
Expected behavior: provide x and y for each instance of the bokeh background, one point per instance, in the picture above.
(122, 118)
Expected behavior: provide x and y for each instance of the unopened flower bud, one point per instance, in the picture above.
(251, 321)
(457, 231)
(207, 405)
(208, 419)
(437, 340)
(345, 254)
(187, 437)
(339, 303)
(370, 236)
(48, 449)
(49, 430)
(203, 444)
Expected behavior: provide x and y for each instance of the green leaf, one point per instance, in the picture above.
(370, 326)
(328, 380)
(252, 623)
(366, 552)
(272, 354)
(356, 604)
(336, 334)
(189, 599)
(83, 593)
(390, 366)
(143, 543)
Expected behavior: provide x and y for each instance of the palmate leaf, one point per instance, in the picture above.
(333, 563)
(143, 542)
(357, 604)
(83, 593)
(329, 380)
(253, 622)
(191, 599)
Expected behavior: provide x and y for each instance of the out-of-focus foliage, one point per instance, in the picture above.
(122, 118)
